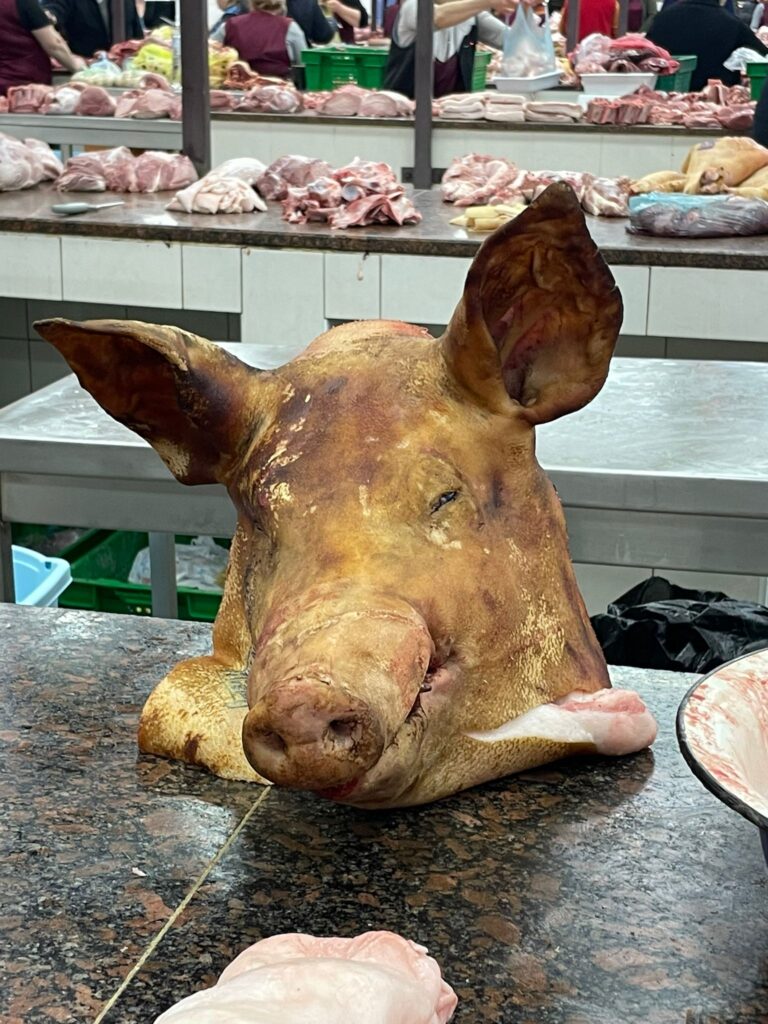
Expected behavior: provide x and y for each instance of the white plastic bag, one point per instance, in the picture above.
(528, 48)
(739, 59)
(200, 564)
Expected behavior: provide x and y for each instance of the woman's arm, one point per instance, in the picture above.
(348, 14)
(55, 47)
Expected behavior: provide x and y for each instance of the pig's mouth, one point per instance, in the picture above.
(394, 770)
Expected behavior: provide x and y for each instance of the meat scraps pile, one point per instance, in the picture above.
(628, 54)
(25, 164)
(358, 194)
(716, 106)
(488, 180)
(377, 976)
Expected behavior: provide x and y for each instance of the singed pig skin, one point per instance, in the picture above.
(399, 576)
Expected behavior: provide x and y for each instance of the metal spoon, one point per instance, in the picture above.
(70, 209)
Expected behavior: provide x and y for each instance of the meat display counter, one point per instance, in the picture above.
(589, 891)
(94, 131)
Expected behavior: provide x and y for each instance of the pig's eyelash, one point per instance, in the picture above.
(444, 499)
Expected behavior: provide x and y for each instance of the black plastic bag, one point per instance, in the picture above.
(659, 625)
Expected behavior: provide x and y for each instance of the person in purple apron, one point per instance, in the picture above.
(265, 38)
(28, 40)
(349, 14)
(459, 26)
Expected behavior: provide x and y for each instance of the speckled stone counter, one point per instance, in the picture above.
(593, 892)
(144, 217)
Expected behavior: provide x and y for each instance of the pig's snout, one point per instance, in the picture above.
(308, 729)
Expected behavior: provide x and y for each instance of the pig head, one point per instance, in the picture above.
(399, 582)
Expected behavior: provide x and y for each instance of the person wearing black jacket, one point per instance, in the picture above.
(703, 28)
(86, 24)
(760, 128)
(313, 23)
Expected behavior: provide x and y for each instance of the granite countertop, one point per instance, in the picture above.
(592, 892)
(145, 217)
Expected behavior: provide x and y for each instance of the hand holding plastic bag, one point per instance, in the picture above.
(739, 59)
(528, 48)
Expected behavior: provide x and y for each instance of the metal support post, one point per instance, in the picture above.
(7, 589)
(195, 90)
(623, 16)
(572, 25)
(423, 75)
(162, 561)
(117, 19)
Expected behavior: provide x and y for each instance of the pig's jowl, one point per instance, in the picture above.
(399, 597)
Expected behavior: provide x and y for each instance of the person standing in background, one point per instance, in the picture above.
(601, 16)
(313, 23)
(28, 41)
(228, 9)
(265, 38)
(87, 24)
(349, 14)
(702, 28)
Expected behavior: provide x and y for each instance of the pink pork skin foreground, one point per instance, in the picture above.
(374, 978)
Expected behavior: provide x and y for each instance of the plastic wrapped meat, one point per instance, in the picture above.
(246, 168)
(214, 194)
(375, 978)
(686, 216)
(24, 164)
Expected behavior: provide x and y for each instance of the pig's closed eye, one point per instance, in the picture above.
(444, 499)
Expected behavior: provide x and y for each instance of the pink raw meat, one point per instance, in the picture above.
(288, 171)
(110, 169)
(214, 194)
(24, 164)
(385, 104)
(163, 172)
(376, 209)
(27, 99)
(49, 162)
(95, 102)
(607, 197)
(272, 99)
(375, 978)
(614, 722)
(144, 104)
(343, 102)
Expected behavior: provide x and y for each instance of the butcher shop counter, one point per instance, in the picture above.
(254, 265)
(667, 469)
(589, 892)
(634, 150)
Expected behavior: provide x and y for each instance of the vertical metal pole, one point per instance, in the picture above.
(117, 20)
(7, 589)
(623, 16)
(423, 74)
(162, 561)
(572, 25)
(195, 90)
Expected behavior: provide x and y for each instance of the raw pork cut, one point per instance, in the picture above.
(24, 164)
(289, 171)
(95, 102)
(554, 112)
(375, 978)
(143, 104)
(63, 100)
(383, 103)
(343, 102)
(213, 194)
(27, 99)
(376, 209)
(163, 172)
(118, 170)
(607, 197)
(271, 99)
(613, 722)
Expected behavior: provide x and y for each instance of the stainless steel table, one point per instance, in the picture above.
(667, 468)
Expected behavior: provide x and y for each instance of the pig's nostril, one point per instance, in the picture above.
(344, 731)
(273, 741)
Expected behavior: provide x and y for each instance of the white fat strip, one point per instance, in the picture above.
(587, 719)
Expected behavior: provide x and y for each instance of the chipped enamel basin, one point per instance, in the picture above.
(722, 728)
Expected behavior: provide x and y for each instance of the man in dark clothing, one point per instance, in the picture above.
(313, 23)
(703, 28)
(87, 24)
(760, 128)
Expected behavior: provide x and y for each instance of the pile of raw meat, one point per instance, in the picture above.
(733, 166)
(477, 180)
(630, 54)
(359, 194)
(353, 101)
(228, 188)
(375, 978)
(505, 107)
(716, 107)
(268, 98)
(24, 164)
(154, 99)
(118, 170)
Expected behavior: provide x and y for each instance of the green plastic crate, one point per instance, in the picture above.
(100, 580)
(757, 75)
(327, 67)
(681, 80)
(480, 70)
(41, 539)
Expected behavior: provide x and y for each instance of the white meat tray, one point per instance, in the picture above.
(525, 85)
(613, 84)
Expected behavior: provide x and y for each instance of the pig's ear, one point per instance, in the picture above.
(196, 404)
(540, 314)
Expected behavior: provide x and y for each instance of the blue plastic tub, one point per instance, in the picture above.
(38, 580)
